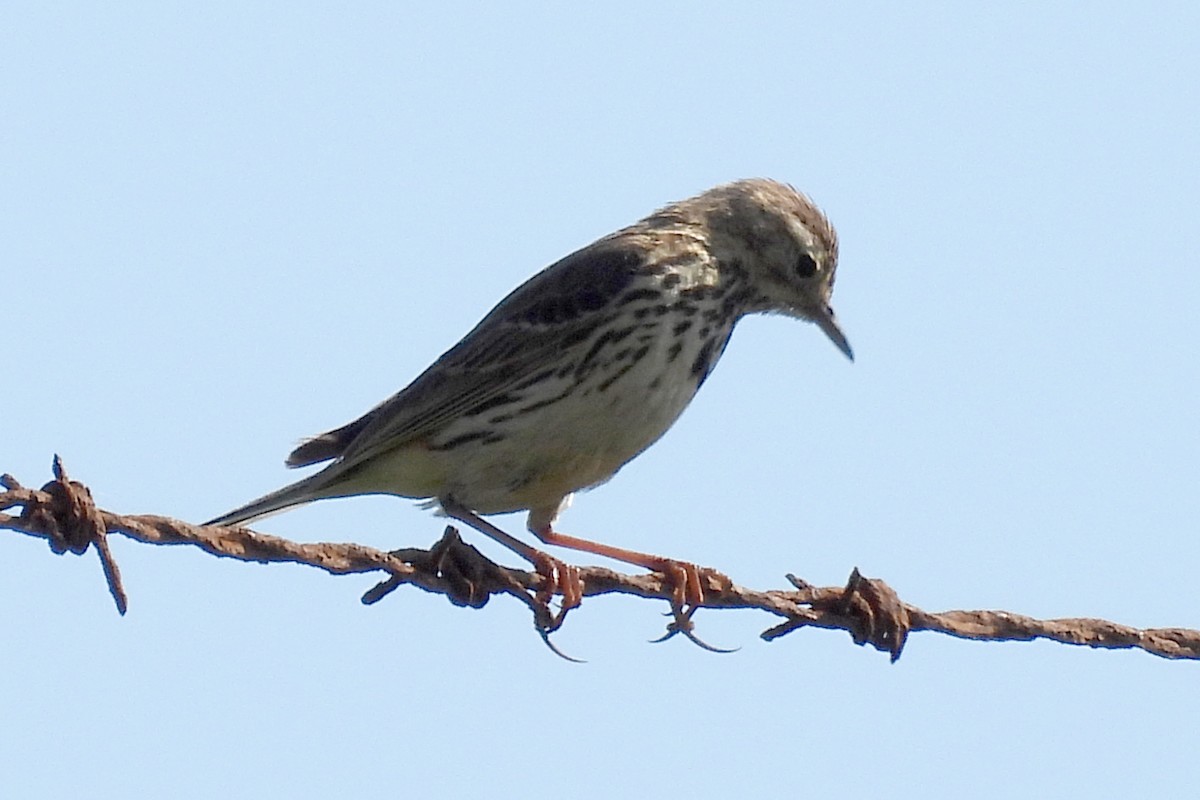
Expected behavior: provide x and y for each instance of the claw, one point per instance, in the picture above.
(696, 640)
(565, 578)
(545, 634)
(683, 624)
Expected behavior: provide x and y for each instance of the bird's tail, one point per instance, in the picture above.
(302, 491)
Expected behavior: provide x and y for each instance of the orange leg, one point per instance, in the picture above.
(686, 579)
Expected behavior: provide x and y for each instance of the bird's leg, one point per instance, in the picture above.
(557, 576)
(686, 580)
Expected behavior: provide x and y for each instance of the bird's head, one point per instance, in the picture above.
(785, 245)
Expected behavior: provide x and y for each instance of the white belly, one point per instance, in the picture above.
(579, 441)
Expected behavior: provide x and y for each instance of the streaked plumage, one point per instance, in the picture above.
(583, 366)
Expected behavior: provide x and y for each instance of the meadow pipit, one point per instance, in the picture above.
(579, 369)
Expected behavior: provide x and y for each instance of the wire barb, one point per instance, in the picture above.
(71, 523)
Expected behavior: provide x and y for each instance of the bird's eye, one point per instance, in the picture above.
(806, 266)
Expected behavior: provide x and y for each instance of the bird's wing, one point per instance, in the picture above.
(518, 343)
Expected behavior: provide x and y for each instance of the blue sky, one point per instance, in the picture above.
(224, 228)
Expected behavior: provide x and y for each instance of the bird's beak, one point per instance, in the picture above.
(828, 323)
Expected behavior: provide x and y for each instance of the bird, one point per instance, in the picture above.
(579, 370)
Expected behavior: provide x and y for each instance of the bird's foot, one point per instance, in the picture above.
(558, 577)
(691, 585)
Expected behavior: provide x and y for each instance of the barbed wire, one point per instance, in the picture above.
(63, 513)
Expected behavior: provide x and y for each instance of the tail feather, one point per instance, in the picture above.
(328, 445)
(298, 493)
(315, 450)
